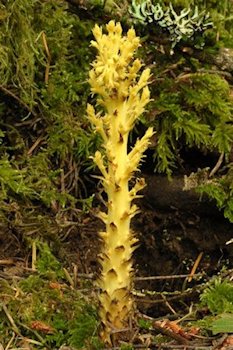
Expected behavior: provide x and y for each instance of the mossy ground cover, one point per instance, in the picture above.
(45, 311)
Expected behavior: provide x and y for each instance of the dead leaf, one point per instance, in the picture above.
(42, 327)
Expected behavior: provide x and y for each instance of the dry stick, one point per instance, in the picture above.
(169, 68)
(75, 277)
(63, 187)
(7, 262)
(167, 332)
(217, 165)
(68, 277)
(35, 144)
(88, 276)
(47, 68)
(6, 276)
(166, 277)
(32, 341)
(34, 256)
(168, 305)
(195, 266)
(159, 301)
(9, 343)
(201, 73)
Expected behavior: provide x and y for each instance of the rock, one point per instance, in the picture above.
(224, 59)
(160, 193)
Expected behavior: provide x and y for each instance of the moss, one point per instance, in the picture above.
(48, 59)
(218, 296)
(47, 310)
(199, 109)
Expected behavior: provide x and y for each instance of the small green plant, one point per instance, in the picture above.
(84, 328)
(13, 180)
(218, 296)
(144, 324)
(46, 262)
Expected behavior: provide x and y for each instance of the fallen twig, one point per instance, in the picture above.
(167, 277)
(169, 333)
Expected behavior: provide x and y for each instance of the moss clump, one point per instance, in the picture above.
(198, 107)
(44, 65)
(218, 296)
(47, 311)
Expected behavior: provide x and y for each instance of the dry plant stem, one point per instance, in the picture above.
(7, 261)
(195, 266)
(167, 332)
(217, 165)
(169, 305)
(48, 57)
(11, 320)
(34, 256)
(34, 146)
(167, 277)
(9, 343)
(123, 95)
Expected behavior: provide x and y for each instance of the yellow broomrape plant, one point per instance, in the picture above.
(122, 95)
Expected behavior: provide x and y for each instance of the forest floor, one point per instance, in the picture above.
(180, 251)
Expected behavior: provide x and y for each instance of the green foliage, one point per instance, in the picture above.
(44, 180)
(218, 297)
(70, 317)
(31, 283)
(84, 327)
(127, 347)
(144, 324)
(12, 180)
(223, 324)
(205, 324)
(46, 261)
(45, 141)
(221, 193)
(197, 110)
